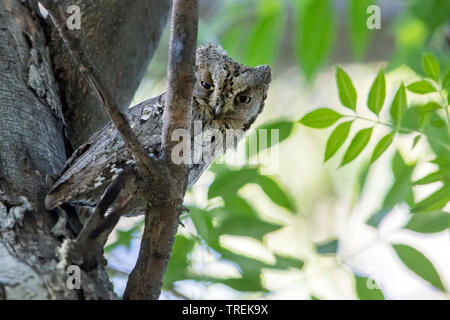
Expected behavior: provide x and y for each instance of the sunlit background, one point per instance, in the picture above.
(313, 229)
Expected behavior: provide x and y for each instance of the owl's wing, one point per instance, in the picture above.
(94, 165)
(80, 170)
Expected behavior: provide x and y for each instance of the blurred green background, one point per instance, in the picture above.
(370, 222)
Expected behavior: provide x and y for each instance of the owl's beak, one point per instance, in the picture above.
(217, 111)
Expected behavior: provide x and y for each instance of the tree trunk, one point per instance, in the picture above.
(38, 85)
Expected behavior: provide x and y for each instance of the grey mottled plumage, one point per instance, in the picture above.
(227, 95)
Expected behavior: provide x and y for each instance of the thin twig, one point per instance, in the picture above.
(400, 129)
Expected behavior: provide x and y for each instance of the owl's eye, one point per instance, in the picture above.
(206, 85)
(243, 99)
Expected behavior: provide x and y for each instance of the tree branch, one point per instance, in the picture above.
(145, 280)
(180, 71)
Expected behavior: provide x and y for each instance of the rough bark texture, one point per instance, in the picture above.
(118, 37)
(31, 130)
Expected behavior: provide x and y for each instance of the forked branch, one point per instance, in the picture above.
(161, 223)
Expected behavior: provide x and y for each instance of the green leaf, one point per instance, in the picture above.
(419, 264)
(247, 227)
(433, 177)
(337, 138)
(347, 92)
(399, 104)
(428, 107)
(435, 201)
(232, 26)
(244, 284)
(442, 162)
(203, 224)
(438, 123)
(430, 66)
(284, 262)
(376, 218)
(266, 34)
(382, 146)
(357, 145)
(232, 39)
(446, 82)
(320, 118)
(248, 266)
(360, 182)
(416, 140)
(377, 93)
(432, 12)
(285, 129)
(177, 269)
(421, 87)
(275, 192)
(358, 29)
(400, 191)
(315, 34)
(430, 222)
(239, 218)
(329, 247)
(424, 119)
(366, 289)
(248, 283)
(229, 182)
(239, 207)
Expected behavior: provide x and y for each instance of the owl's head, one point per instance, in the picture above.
(227, 92)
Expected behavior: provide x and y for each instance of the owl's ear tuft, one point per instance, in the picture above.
(210, 50)
(265, 73)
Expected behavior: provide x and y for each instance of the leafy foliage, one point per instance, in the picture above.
(419, 264)
(430, 120)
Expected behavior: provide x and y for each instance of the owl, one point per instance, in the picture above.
(226, 95)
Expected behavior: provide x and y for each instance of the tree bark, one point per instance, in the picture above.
(38, 84)
(118, 37)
